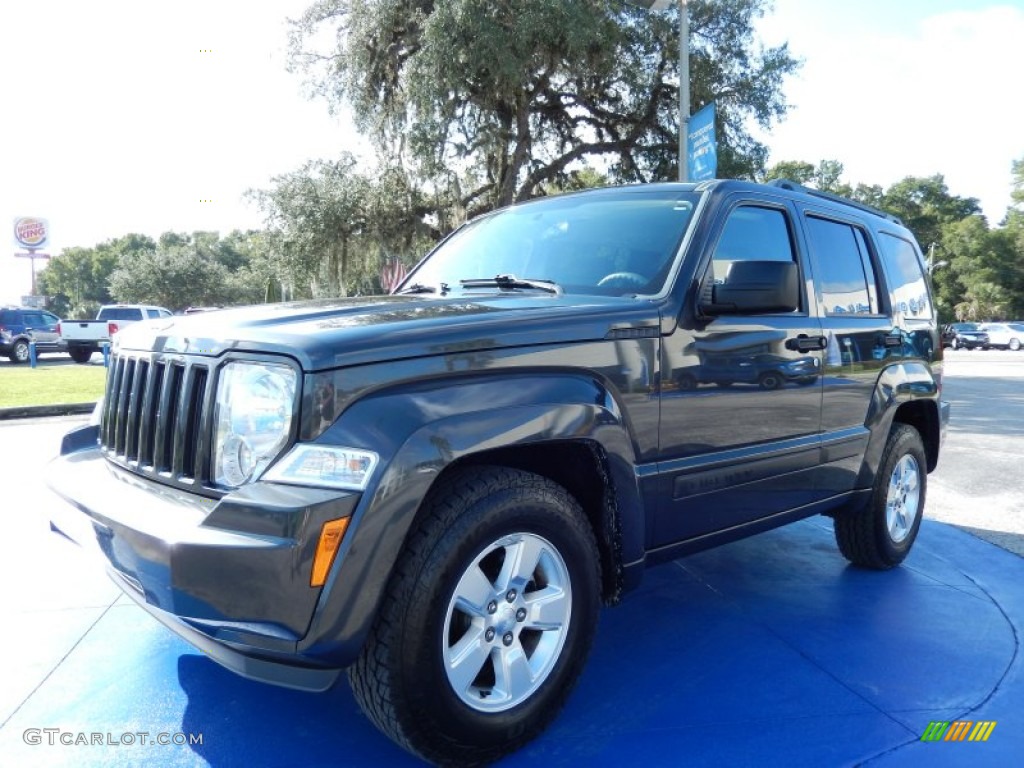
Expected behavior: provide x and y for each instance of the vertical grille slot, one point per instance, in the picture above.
(124, 400)
(110, 402)
(150, 414)
(131, 447)
(170, 402)
(195, 397)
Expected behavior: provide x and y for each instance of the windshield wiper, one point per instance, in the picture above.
(508, 282)
(418, 288)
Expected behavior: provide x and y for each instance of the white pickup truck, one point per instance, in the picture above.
(83, 337)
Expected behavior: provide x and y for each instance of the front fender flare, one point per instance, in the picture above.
(420, 431)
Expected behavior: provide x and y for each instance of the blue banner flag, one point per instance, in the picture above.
(701, 145)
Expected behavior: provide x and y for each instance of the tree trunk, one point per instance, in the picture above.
(520, 155)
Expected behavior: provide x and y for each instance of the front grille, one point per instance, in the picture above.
(158, 417)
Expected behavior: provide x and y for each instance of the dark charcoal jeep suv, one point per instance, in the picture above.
(437, 489)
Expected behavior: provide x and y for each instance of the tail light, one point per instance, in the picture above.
(58, 329)
(112, 328)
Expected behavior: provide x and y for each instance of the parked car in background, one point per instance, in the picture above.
(83, 337)
(21, 325)
(1004, 335)
(964, 336)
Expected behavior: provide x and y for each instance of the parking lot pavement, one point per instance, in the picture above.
(978, 485)
(769, 651)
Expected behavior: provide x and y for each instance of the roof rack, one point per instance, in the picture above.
(794, 187)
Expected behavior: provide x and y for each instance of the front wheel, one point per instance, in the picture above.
(19, 353)
(487, 620)
(1014, 344)
(881, 536)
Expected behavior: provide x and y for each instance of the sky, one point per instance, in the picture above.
(122, 116)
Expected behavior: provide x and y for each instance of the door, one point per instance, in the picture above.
(861, 340)
(741, 405)
(44, 329)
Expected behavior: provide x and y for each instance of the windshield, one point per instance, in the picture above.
(612, 243)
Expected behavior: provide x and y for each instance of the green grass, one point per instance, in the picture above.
(49, 383)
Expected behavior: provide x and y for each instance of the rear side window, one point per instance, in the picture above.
(842, 265)
(120, 313)
(906, 277)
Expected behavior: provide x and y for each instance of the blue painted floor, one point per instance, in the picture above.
(770, 651)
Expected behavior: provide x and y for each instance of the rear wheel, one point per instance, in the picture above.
(686, 381)
(881, 536)
(955, 343)
(487, 621)
(80, 354)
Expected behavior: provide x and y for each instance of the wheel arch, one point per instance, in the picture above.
(576, 435)
(905, 393)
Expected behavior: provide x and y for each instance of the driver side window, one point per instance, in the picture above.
(752, 233)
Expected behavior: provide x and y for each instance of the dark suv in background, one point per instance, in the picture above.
(21, 325)
(437, 489)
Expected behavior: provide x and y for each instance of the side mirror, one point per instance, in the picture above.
(752, 287)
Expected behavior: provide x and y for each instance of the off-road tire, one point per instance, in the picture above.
(864, 536)
(400, 679)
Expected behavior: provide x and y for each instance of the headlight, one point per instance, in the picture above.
(253, 417)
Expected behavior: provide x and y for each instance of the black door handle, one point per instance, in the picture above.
(805, 343)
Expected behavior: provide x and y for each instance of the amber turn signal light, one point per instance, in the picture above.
(331, 534)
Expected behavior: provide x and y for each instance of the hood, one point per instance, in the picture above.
(340, 332)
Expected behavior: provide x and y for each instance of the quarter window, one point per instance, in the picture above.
(843, 267)
(906, 277)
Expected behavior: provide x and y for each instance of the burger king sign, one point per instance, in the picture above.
(31, 233)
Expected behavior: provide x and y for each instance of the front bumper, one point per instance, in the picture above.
(230, 576)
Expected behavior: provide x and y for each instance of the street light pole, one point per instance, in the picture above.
(931, 263)
(684, 87)
(684, 72)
